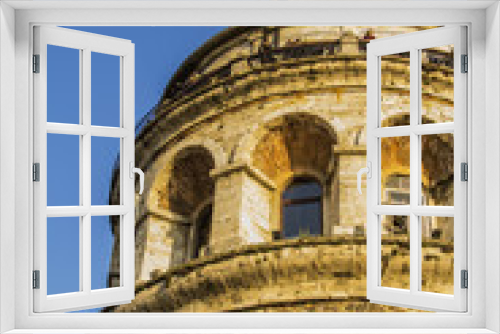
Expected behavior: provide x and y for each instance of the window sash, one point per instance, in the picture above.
(86, 297)
(414, 42)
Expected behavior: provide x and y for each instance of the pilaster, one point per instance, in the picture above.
(350, 206)
(242, 207)
(162, 239)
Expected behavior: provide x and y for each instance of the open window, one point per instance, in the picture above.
(68, 156)
(416, 194)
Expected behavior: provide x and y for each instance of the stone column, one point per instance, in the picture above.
(161, 242)
(350, 217)
(242, 207)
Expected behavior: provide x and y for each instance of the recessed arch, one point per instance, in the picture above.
(163, 167)
(288, 143)
(248, 143)
(184, 182)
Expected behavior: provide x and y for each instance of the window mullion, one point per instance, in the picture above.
(85, 179)
(80, 112)
(392, 210)
(396, 131)
(414, 170)
(434, 128)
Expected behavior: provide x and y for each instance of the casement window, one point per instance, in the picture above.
(69, 204)
(409, 142)
(401, 201)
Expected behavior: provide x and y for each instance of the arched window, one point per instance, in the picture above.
(301, 209)
(203, 226)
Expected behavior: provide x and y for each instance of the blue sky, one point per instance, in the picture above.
(158, 53)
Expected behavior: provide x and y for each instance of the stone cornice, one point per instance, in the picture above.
(250, 170)
(167, 215)
(349, 149)
(323, 64)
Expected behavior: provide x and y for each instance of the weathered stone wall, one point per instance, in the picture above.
(228, 200)
(256, 210)
(290, 275)
(166, 246)
(348, 205)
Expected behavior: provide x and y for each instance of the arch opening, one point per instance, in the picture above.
(292, 144)
(189, 184)
(292, 148)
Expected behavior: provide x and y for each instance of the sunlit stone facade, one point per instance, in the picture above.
(252, 109)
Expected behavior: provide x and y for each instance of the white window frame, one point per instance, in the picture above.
(85, 43)
(484, 211)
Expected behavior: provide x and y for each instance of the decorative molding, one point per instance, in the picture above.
(168, 215)
(349, 150)
(250, 170)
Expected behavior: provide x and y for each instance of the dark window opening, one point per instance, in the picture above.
(301, 209)
(203, 226)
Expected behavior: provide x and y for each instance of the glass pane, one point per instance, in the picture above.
(395, 170)
(395, 257)
(63, 255)
(63, 85)
(63, 170)
(302, 220)
(395, 90)
(105, 90)
(437, 169)
(437, 254)
(105, 273)
(105, 153)
(437, 85)
(302, 189)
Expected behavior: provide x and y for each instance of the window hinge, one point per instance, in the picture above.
(36, 279)
(36, 63)
(36, 172)
(465, 63)
(465, 279)
(464, 172)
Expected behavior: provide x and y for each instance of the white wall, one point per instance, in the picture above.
(7, 66)
(492, 163)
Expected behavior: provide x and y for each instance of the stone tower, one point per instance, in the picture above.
(246, 115)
